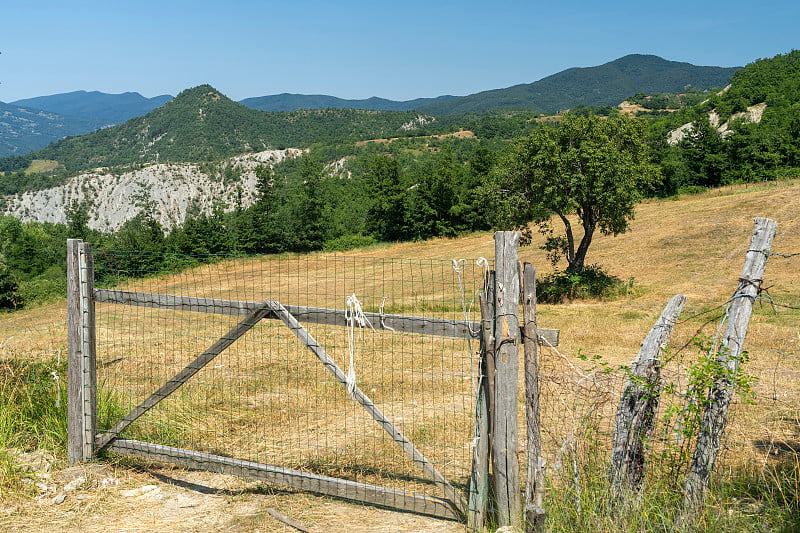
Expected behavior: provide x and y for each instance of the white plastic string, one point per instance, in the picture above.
(354, 315)
(483, 262)
(383, 324)
(458, 266)
(57, 381)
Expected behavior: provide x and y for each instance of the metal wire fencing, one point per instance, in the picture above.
(761, 444)
(269, 399)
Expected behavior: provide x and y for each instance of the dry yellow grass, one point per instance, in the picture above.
(694, 246)
(41, 165)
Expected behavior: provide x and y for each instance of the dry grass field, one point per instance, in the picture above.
(694, 246)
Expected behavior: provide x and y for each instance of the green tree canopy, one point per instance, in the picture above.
(591, 167)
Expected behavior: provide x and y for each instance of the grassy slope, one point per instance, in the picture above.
(695, 246)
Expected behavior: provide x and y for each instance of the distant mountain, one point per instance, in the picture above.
(606, 84)
(108, 109)
(294, 102)
(201, 124)
(23, 129)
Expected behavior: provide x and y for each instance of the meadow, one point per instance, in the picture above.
(692, 245)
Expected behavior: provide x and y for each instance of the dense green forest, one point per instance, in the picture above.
(413, 187)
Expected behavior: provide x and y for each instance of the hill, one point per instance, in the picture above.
(606, 84)
(745, 133)
(294, 102)
(201, 124)
(108, 109)
(80, 112)
(24, 129)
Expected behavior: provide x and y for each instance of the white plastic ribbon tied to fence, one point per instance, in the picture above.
(354, 315)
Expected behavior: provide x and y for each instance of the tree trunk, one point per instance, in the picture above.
(577, 263)
(570, 239)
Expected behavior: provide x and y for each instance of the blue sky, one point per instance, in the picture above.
(352, 49)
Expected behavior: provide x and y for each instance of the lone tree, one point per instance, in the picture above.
(589, 166)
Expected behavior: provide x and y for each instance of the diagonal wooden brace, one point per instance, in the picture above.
(181, 377)
(460, 506)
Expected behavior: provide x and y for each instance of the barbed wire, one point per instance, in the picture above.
(779, 352)
(778, 254)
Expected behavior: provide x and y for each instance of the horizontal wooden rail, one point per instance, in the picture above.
(440, 327)
(350, 490)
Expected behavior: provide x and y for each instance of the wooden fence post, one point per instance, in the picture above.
(637, 406)
(716, 412)
(479, 479)
(81, 376)
(504, 425)
(534, 488)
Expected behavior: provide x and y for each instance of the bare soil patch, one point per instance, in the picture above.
(462, 134)
(102, 497)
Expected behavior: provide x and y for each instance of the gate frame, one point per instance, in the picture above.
(495, 398)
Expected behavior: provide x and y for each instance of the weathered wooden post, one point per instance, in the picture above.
(504, 423)
(716, 412)
(639, 402)
(534, 487)
(81, 374)
(479, 479)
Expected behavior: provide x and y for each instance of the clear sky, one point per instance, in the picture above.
(399, 49)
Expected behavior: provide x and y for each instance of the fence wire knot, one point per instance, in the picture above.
(753, 282)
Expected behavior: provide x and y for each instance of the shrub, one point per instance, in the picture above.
(591, 282)
(46, 287)
(691, 189)
(9, 289)
(348, 242)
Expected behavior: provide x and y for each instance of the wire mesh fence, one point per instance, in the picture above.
(268, 399)
(761, 444)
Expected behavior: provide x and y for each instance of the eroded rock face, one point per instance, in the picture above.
(753, 114)
(171, 188)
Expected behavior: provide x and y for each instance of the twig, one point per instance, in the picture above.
(288, 521)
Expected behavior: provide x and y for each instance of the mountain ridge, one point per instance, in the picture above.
(201, 124)
(591, 86)
(24, 129)
(106, 107)
(295, 102)
(606, 84)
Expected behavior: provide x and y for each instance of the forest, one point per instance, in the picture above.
(417, 186)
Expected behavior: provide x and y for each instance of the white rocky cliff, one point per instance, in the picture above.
(171, 188)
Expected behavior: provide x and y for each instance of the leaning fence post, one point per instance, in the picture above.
(715, 415)
(637, 406)
(534, 488)
(81, 377)
(504, 425)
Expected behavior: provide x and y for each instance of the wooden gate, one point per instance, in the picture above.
(85, 441)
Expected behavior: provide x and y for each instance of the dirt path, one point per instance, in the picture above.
(102, 497)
